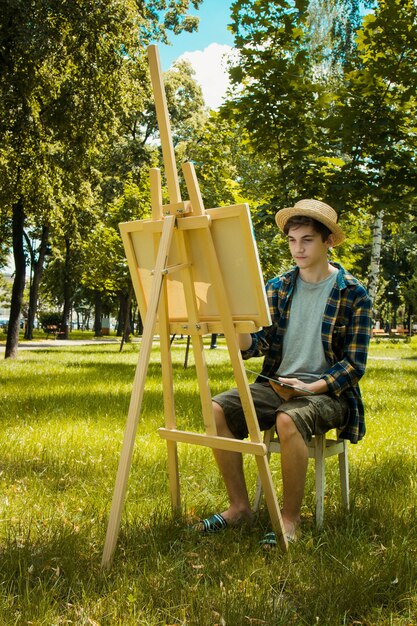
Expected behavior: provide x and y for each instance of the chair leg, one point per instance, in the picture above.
(320, 446)
(268, 434)
(344, 475)
(319, 442)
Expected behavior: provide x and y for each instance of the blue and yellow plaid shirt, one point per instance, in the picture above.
(345, 334)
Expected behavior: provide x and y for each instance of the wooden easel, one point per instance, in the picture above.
(176, 221)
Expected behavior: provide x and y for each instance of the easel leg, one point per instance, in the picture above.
(271, 501)
(169, 404)
(187, 351)
(244, 391)
(137, 396)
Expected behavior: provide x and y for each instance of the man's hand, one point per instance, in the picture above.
(285, 392)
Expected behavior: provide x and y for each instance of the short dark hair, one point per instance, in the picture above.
(304, 220)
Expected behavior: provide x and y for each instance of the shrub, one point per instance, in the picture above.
(52, 318)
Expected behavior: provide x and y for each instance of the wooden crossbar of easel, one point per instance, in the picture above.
(185, 232)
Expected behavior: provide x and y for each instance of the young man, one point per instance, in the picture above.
(318, 341)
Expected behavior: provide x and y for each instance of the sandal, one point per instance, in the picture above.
(269, 542)
(213, 524)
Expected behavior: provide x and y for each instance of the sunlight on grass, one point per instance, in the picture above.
(63, 415)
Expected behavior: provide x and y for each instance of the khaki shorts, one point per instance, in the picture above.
(313, 415)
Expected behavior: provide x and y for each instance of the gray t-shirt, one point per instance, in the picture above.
(303, 354)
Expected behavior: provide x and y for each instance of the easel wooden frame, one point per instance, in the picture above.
(169, 222)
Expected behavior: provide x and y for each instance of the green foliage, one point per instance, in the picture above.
(398, 263)
(274, 96)
(5, 292)
(52, 318)
(323, 133)
(60, 71)
(376, 110)
(185, 102)
(74, 81)
(322, 105)
(103, 262)
(324, 99)
(214, 151)
(163, 16)
(272, 245)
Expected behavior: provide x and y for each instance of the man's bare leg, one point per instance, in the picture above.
(231, 468)
(294, 461)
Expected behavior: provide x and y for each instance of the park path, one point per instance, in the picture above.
(59, 343)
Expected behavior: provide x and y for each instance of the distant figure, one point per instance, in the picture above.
(213, 344)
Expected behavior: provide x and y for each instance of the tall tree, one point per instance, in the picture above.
(274, 94)
(123, 192)
(37, 258)
(377, 230)
(374, 120)
(61, 81)
(329, 109)
(374, 112)
(215, 151)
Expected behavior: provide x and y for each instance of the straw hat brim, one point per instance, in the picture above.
(284, 215)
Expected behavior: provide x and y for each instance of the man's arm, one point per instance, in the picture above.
(350, 368)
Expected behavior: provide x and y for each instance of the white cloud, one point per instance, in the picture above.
(210, 71)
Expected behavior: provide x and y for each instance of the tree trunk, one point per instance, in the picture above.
(123, 318)
(97, 314)
(37, 267)
(127, 326)
(377, 229)
(67, 290)
(121, 314)
(18, 283)
(139, 324)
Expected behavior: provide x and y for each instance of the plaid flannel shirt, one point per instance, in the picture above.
(345, 334)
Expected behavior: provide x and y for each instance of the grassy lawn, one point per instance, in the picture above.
(63, 413)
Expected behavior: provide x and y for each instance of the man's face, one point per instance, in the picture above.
(307, 248)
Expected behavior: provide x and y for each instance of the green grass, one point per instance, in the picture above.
(63, 413)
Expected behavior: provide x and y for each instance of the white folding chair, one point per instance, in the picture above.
(319, 448)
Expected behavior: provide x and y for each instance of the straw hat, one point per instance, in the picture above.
(317, 210)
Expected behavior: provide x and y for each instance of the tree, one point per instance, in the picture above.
(185, 102)
(374, 112)
(377, 231)
(398, 262)
(274, 96)
(37, 258)
(104, 268)
(62, 70)
(4, 292)
(214, 150)
(123, 193)
(329, 109)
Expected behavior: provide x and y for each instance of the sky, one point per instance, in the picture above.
(205, 49)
